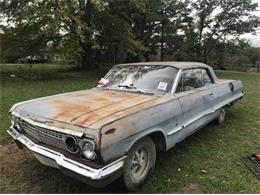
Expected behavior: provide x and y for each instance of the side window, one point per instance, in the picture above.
(192, 79)
(205, 78)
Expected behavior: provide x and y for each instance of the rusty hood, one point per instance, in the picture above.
(82, 108)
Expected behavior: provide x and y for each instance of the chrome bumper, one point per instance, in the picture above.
(58, 160)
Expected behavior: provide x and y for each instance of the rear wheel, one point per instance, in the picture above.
(221, 116)
(139, 164)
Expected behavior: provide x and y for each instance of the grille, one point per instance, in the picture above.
(44, 135)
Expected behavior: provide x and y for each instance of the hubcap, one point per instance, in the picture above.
(222, 114)
(139, 163)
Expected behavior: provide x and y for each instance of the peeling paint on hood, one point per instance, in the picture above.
(82, 108)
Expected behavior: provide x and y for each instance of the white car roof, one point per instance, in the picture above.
(176, 64)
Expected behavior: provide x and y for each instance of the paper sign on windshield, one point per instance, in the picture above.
(103, 82)
(162, 86)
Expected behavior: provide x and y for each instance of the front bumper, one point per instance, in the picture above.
(95, 177)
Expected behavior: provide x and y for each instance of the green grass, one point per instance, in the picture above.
(40, 67)
(216, 149)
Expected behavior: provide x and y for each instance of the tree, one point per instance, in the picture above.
(157, 27)
(127, 30)
(219, 19)
(114, 30)
(76, 23)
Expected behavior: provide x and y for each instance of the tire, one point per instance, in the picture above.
(221, 116)
(139, 164)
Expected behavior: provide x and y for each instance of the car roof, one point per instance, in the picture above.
(176, 64)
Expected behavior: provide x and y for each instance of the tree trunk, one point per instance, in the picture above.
(221, 57)
(201, 28)
(115, 55)
(88, 54)
(258, 66)
(162, 41)
(162, 32)
(147, 57)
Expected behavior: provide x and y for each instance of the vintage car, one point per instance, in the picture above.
(115, 129)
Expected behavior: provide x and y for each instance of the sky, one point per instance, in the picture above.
(254, 39)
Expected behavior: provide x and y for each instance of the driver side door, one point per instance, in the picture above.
(194, 95)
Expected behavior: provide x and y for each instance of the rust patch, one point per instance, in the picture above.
(123, 113)
(56, 101)
(110, 131)
(85, 107)
(90, 117)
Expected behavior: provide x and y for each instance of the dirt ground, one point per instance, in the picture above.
(190, 188)
(21, 172)
(14, 162)
(20, 169)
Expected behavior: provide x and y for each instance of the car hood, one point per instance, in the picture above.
(81, 108)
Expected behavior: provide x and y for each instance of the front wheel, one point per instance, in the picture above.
(139, 164)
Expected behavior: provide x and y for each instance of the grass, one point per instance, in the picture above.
(40, 67)
(33, 72)
(215, 149)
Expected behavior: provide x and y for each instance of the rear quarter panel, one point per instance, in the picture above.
(223, 94)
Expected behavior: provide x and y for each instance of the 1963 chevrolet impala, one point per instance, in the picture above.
(115, 129)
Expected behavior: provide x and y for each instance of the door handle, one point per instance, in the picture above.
(211, 94)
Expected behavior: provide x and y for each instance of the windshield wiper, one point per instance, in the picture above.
(133, 88)
(143, 92)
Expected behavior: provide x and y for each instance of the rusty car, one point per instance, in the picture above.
(116, 128)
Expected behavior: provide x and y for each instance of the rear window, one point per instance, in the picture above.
(193, 78)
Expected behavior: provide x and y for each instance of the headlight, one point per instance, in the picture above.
(12, 119)
(71, 144)
(15, 122)
(88, 149)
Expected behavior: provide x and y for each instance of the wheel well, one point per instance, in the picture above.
(159, 141)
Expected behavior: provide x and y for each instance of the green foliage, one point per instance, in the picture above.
(115, 35)
(99, 31)
(240, 55)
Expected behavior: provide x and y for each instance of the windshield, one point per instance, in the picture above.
(155, 79)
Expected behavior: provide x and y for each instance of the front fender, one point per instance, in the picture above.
(145, 133)
(122, 147)
(117, 137)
